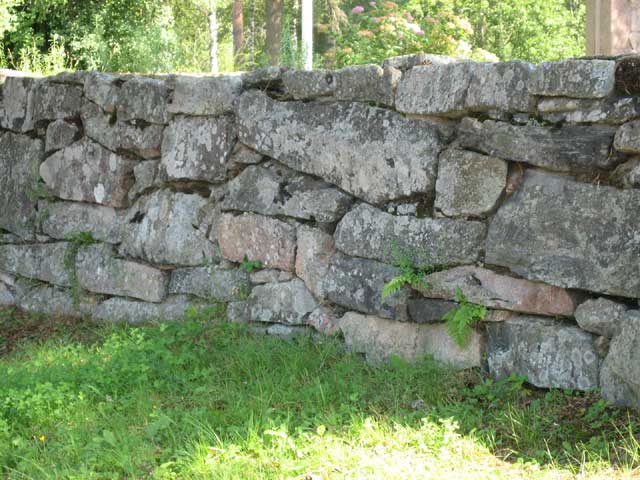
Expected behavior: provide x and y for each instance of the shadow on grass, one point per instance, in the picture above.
(200, 400)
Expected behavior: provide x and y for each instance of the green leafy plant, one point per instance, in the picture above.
(250, 265)
(413, 271)
(461, 320)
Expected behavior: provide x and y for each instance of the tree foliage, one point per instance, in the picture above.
(173, 35)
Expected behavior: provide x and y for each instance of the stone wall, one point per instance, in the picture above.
(130, 198)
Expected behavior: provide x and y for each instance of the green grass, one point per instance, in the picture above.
(204, 400)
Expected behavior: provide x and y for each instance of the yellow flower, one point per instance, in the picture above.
(42, 438)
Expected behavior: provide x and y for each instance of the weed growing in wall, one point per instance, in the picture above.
(76, 242)
(461, 320)
(250, 265)
(412, 272)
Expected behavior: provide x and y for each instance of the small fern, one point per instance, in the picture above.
(250, 265)
(410, 274)
(461, 320)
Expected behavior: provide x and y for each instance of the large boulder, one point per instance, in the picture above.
(100, 271)
(620, 377)
(198, 148)
(372, 153)
(271, 189)
(549, 353)
(87, 172)
(485, 287)
(143, 98)
(367, 83)
(469, 184)
(60, 134)
(569, 234)
(356, 284)
(164, 228)
(54, 101)
(379, 338)
(257, 238)
(63, 220)
(306, 84)
(425, 241)
(20, 158)
(571, 148)
(210, 283)
(574, 78)
(103, 89)
(16, 107)
(205, 95)
(288, 302)
(48, 262)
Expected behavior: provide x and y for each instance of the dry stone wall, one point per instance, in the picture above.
(132, 198)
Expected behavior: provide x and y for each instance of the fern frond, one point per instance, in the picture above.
(393, 286)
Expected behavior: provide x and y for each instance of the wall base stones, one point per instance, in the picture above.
(291, 199)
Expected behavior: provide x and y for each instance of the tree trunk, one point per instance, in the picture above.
(238, 31)
(213, 35)
(274, 30)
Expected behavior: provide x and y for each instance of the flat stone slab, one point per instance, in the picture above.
(274, 190)
(54, 301)
(198, 148)
(569, 234)
(121, 310)
(601, 316)
(210, 283)
(469, 184)
(257, 238)
(549, 353)
(99, 271)
(610, 110)
(379, 338)
(367, 83)
(305, 84)
(164, 228)
(143, 98)
(205, 95)
(574, 78)
(485, 287)
(372, 153)
(571, 148)
(54, 101)
(287, 302)
(87, 172)
(425, 241)
(62, 220)
(20, 158)
(46, 262)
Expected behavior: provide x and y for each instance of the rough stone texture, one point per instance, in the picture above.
(426, 241)
(324, 320)
(243, 155)
(20, 158)
(210, 283)
(270, 275)
(611, 110)
(628, 138)
(88, 172)
(601, 316)
(267, 240)
(435, 90)
(469, 184)
(549, 353)
(569, 234)
(357, 284)
(379, 338)
(574, 78)
(237, 312)
(146, 176)
(63, 220)
(315, 249)
(198, 148)
(271, 189)
(139, 138)
(206, 95)
(55, 302)
(16, 108)
(99, 271)
(372, 153)
(288, 302)
(407, 62)
(493, 290)
(45, 262)
(60, 134)
(304, 84)
(54, 101)
(367, 83)
(620, 380)
(500, 86)
(428, 310)
(264, 78)
(142, 98)
(123, 310)
(6, 295)
(163, 228)
(103, 90)
(572, 148)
